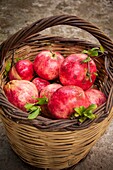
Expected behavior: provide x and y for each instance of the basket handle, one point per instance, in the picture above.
(44, 23)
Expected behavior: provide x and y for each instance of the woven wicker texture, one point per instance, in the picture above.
(44, 142)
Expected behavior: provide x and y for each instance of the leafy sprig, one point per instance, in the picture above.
(35, 109)
(7, 67)
(94, 51)
(86, 60)
(91, 52)
(83, 113)
(42, 101)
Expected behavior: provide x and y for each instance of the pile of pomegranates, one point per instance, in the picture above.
(54, 86)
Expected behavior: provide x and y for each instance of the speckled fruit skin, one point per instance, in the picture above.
(49, 90)
(20, 92)
(73, 71)
(22, 70)
(95, 96)
(47, 64)
(65, 99)
(40, 83)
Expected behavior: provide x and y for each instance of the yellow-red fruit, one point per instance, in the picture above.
(20, 92)
(22, 70)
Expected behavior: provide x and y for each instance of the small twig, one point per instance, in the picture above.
(88, 72)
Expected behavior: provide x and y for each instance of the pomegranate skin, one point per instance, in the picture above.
(49, 90)
(47, 64)
(73, 71)
(20, 92)
(22, 70)
(40, 83)
(95, 96)
(65, 99)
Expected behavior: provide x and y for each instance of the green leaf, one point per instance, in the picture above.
(95, 48)
(85, 52)
(102, 49)
(8, 66)
(82, 119)
(80, 110)
(93, 53)
(34, 114)
(42, 101)
(77, 110)
(76, 115)
(83, 113)
(33, 108)
(28, 106)
(89, 111)
(18, 59)
(92, 107)
(91, 116)
(86, 60)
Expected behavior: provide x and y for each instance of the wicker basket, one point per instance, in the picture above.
(43, 142)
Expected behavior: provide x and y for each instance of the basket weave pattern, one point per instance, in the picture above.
(44, 142)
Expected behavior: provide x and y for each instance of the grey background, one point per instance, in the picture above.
(16, 14)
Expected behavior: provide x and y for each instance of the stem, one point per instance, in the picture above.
(88, 72)
(53, 54)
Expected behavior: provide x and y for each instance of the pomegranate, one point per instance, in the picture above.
(20, 92)
(95, 96)
(47, 64)
(77, 70)
(40, 83)
(48, 92)
(22, 70)
(65, 99)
